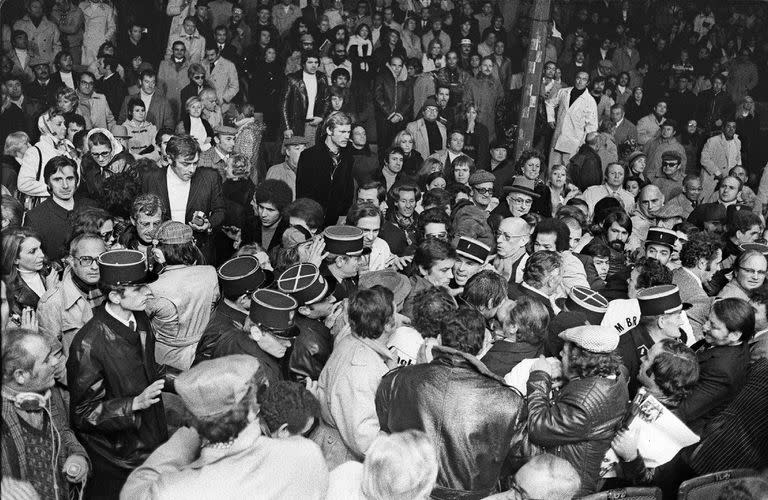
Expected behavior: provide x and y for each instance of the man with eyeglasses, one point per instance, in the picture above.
(173, 76)
(66, 307)
(519, 199)
(481, 182)
(100, 114)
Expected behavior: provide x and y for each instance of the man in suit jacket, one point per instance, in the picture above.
(324, 172)
(700, 259)
(101, 114)
(64, 76)
(542, 278)
(429, 134)
(172, 77)
(19, 112)
(227, 50)
(216, 157)
(576, 116)
(21, 55)
(223, 76)
(302, 107)
(42, 87)
(622, 128)
(111, 84)
(189, 194)
(159, 111)
(284, 14)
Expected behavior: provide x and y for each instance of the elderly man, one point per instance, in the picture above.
(519, 200)
(576, 116)
(420, 396)
(65, 308)
(621, 128)
(512, 236)
(38, 445)
(689, 199)
(612, 187)
(429, 134)
(481, 183)
(650, 201)
(585, 168)
(720, 154)
(225, 449)
(649, 126)
(542, 280)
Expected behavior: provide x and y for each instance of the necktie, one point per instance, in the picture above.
(221, 47)
(132, 325)
(212, 66)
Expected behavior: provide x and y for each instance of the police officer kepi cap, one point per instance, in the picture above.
(124, 268)
(662, 299)
(661, 236)
(344, 240)
(304, 283)
(275, 311)
(473, 249)
(585, 300)
(239, 276)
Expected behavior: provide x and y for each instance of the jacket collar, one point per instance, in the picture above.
(458, 357)
(243, 444)
(69, 292)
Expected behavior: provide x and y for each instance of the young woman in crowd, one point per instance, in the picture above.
(25, 269)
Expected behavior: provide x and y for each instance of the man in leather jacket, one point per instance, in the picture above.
(115, 406)
(468, 412)
(579, 423)
(306, 99)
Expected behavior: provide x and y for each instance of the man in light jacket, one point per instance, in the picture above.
(576, 117)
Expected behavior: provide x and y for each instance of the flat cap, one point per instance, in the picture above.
(225, 130)
(173, 233)
(593, 338)
(211, 388)
(480, 177)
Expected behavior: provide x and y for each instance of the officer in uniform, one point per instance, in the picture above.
(582, 306)
(471, 257)
(660, 244)
(238, 279)
(340, 268)
(661, 311)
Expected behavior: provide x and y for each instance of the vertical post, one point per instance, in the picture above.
(532, 76)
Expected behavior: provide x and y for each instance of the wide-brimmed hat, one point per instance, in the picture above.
(523, 186)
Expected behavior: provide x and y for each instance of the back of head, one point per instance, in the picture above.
(399, 466)
(464, 330)
(548, 476)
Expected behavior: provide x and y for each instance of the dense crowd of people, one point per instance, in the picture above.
(291, 249)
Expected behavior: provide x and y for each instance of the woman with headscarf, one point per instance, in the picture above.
(101, 149)
(53, 142)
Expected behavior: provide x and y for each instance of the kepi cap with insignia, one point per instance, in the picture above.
(586, 300)
(344, 240)
(212, 388)
(124, 267)
(304, 283)
(593, 338)
(661, 236)
(662, 299)
(473, 249)
(239, 276)
(272, 309)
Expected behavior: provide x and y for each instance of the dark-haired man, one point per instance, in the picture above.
(305, 100)
(700, 258)
(159, 111)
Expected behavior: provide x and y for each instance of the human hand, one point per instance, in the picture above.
(552, 125)
(233, 233)
(75, 468)
(288, 134)
(148, 396)
(624, 444)
(317, 253)
(336, 312)
(316, 121)
(28, 319)
(401, 263)
(312, 386)
(196, 226)
(541, 364)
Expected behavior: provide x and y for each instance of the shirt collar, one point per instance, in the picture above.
(108, 308)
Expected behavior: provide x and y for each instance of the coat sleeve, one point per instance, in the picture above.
(708, 159)
(379, 97)
(285, 104)
(27, 182)
(303, 178)
(711, 389)
(551, 105)
(110, 117)
(233, 84)
(179, 451)
(218, 206)
(49, 317)
(357, 422)
(89, 408)
(552, 425)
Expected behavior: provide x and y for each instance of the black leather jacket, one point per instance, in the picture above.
(579, 423)
(468, 412)
(106, 369)
(293, 103)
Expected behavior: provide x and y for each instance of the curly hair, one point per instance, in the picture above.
(430, 251)
(540, 264)
(652, 273)
(288, 402)
(527, 155)
(531, 318)
(675, 370)
(228, 426)
(118, 193)
(464, 330)
(437, 198)
(699, 246)
(583, 363)
(430, 306)
(306, 209)
(273, 191)
(432, 216)
(556, 227)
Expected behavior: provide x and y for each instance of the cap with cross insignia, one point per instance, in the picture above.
(304, 283)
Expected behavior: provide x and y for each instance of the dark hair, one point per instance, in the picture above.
(531, 318)
(111, 62)
(12, 239)
(361, 210)
(147, 204)
(699, 246)
(182, 146)
(432, 216)
(58, 163)
(76, 118)
(370, 310)
(394, 191)
(652, 273)
(440, 198)
(621, 218)
(539, 265)
(99, 139)
(13, 209)
(463, 330)
(307, 210)
(741, 220)
(738, 316)
(135, 101)
(527, 155)
(557, 227)
(425, 180)
(381, 189)
(598, 249)
(430, 251)
(485, 286)
(583, 363)
(160, 133)
(185, 253)
(89, 220)
(149, 72)
(273, 191)
(306, 54)
(430, 306)
(288, 402)
(675, 370)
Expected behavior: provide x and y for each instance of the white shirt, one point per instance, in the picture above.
(310, 81)
(197, 130)
(178, 194)
(732, 153)
(66, 79)
(23, 55)
(146, 99)
(126, 322)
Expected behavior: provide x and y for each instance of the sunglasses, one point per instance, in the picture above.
(484, 190)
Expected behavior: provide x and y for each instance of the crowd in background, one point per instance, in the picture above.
(291, 249)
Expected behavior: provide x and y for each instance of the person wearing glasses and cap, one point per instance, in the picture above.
(225, 452)
(520, 194)
(115, 385)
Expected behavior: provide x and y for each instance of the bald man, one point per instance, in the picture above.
(649, 202)
(511, 238)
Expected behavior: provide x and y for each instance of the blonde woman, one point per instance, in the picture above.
(16, 146)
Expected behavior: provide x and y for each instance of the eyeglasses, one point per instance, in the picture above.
(198, 77)
(483, 190)
(86, 83)
(107, 236)
(508, 237)
(522, 201)
(86, 260)
(105, 154)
